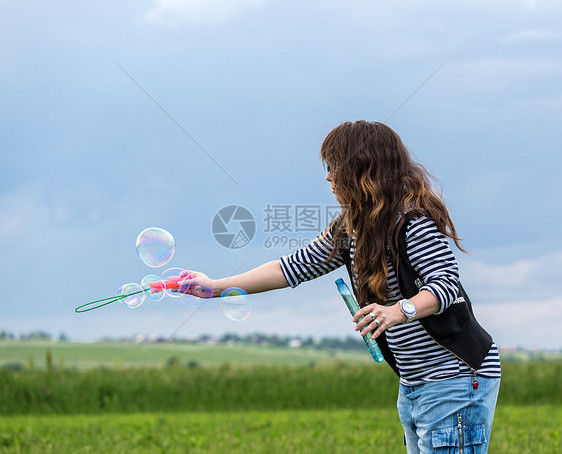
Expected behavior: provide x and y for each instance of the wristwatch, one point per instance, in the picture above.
(408, 308)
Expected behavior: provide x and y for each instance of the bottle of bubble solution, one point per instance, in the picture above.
(353, 307)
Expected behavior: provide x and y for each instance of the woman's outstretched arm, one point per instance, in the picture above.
(268, 276)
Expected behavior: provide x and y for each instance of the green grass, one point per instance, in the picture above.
(71, 355)
(231, 388)
(233, 432)
(522, 430)
(238, 402)
(198, 389)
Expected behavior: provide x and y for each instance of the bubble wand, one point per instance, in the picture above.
(353, 307)
(172, 283)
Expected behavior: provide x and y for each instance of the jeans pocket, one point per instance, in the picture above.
(454, 439)
(474, 436)
(445, 439)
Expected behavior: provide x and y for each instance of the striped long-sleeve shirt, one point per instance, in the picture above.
(418, 357)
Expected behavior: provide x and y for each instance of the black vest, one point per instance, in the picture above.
(456, 329)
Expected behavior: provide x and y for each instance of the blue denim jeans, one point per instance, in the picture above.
(448, 416)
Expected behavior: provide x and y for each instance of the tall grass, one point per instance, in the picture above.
(227, 388)
(531, 383)
(201, 389)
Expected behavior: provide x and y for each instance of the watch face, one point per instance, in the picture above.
(408, 307)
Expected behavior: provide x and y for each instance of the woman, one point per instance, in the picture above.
(448, 366)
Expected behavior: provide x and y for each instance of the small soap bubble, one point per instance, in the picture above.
(235, 304)
(132, 301)
(157, 285)
(172, 273)
(155, 247)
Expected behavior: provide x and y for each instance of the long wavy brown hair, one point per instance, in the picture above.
(377, 182)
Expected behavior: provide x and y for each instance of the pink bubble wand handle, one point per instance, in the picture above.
(172, 283)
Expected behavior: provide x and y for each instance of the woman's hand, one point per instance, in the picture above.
(377, 318)
(387, 316)
(196, 284)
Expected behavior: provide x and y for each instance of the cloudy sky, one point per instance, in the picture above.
(117, 116)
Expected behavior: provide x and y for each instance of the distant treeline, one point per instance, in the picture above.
(347, 343)
(32, 335)
(227, 388)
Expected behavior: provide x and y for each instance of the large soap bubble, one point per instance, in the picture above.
(155, 246)
(235, 304)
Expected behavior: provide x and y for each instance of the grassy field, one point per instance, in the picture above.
(520, 430)
(231, 388)
(215, 399)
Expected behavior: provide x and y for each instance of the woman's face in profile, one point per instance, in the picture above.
(329, 178)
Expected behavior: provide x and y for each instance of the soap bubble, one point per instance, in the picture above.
(172, 272)
(150, 279)
(132, 301)
(235, 304)
(155, 247)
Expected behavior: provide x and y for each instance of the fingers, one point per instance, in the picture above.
(371, 320)
(195, 284)
(364, 311)
(371, 323)
(188, 274)
(187, 283)
(377, 319)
